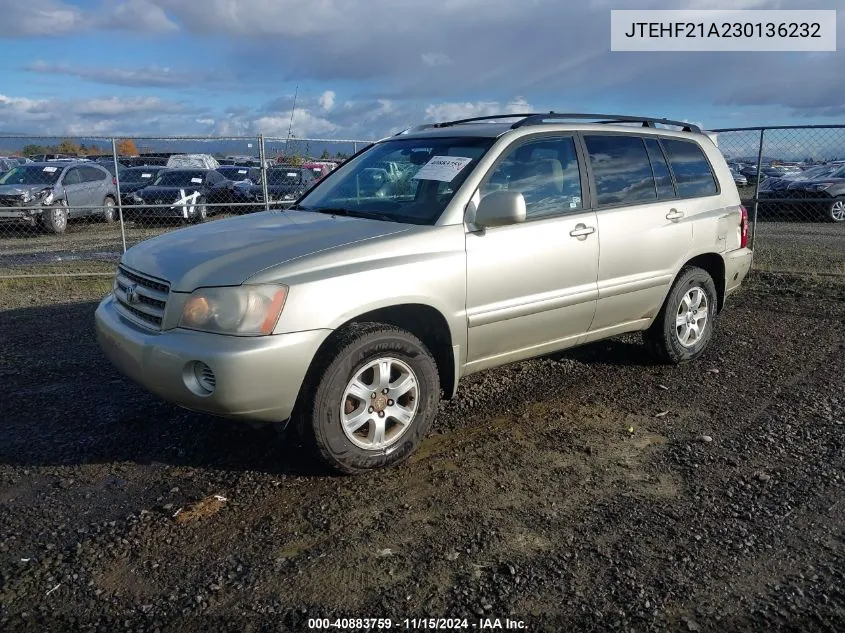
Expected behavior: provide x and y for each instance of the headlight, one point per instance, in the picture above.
(819, 186)
(134, 197)
(289, 196)
(46, 196)
(243, 310)
(26, 197)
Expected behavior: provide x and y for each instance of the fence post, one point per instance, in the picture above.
(262, 157)
(757, 190)
(117, 185)
(354, 147)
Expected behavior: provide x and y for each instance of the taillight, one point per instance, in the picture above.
(114, 180)
(743, 227)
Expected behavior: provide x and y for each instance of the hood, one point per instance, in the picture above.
(227, 252)
(167, 193)
(17, 190)
(129, 187)
(803, 184)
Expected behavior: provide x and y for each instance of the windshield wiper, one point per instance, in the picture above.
(349, 213)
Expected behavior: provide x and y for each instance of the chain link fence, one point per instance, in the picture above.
(71, 206)
(792, 181)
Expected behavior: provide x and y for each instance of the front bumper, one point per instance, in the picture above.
(257, 378)
(737, 267)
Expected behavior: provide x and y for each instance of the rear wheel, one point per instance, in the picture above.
(684, 325)
(373, 402)
(54, 218)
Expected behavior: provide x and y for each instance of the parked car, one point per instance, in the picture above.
(182, 194)
(284, 186)
(820, 195)
(187, 161)
(134, 178)
(739, 179)
(347, 314)
(51, 193)
(750, 173)
(7, 164)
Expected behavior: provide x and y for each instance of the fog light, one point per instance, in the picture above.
(199, 378)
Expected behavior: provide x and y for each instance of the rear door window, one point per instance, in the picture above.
(621, 169)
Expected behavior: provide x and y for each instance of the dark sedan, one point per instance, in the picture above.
(820, 197)
(180, 194)
(284, 186)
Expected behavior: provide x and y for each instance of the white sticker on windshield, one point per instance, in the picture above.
(196, 181)
(291, 174)
(442, 168)
(50, 170)
(146, 175)
(242, 171)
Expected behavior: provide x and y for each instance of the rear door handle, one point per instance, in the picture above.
(674, 214)
(581, 231)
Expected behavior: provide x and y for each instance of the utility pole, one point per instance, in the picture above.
(290, 125)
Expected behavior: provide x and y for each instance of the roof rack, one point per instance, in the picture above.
(535, 118)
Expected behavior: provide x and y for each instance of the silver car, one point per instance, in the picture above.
(348, 314)
(50, 193)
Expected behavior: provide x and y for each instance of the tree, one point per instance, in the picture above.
(68, 147)
(32, 149)
(126, 147)
(325, 155)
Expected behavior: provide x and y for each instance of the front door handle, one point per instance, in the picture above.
(581, 231)
(674, 215)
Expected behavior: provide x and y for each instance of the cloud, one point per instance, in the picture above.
(138, 77)
(38, 17)
(456, 110)
(51, 18)
(137, 15)
(436, 59)
(326, 100)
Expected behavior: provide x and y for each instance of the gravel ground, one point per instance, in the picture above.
(785, 246)
(589, 491)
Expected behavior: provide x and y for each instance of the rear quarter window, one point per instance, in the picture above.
(693, 176)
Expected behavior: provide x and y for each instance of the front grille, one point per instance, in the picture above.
(141, 298)
(11, 201)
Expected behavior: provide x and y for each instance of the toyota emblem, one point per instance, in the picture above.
(131, 295)
(159, 201)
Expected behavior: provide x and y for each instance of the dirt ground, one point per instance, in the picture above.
(588, 491)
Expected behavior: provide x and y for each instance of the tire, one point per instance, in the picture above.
(664, 336)
(201, 214)
(327, 400)
(836, 210)
(54, 218)
(109, 214)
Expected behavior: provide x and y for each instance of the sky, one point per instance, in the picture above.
(364, 69)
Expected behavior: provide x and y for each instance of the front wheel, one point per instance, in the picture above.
(836, 210)
(108, 210)
(375, 400)
(54, 218)
(684, 325)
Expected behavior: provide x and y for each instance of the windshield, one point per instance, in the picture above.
(32, 175)
(238, 173)
(404, 180)
(179, 178)
(138, 174)
(284, 176)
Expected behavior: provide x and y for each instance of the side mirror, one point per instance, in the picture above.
(500, 208)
